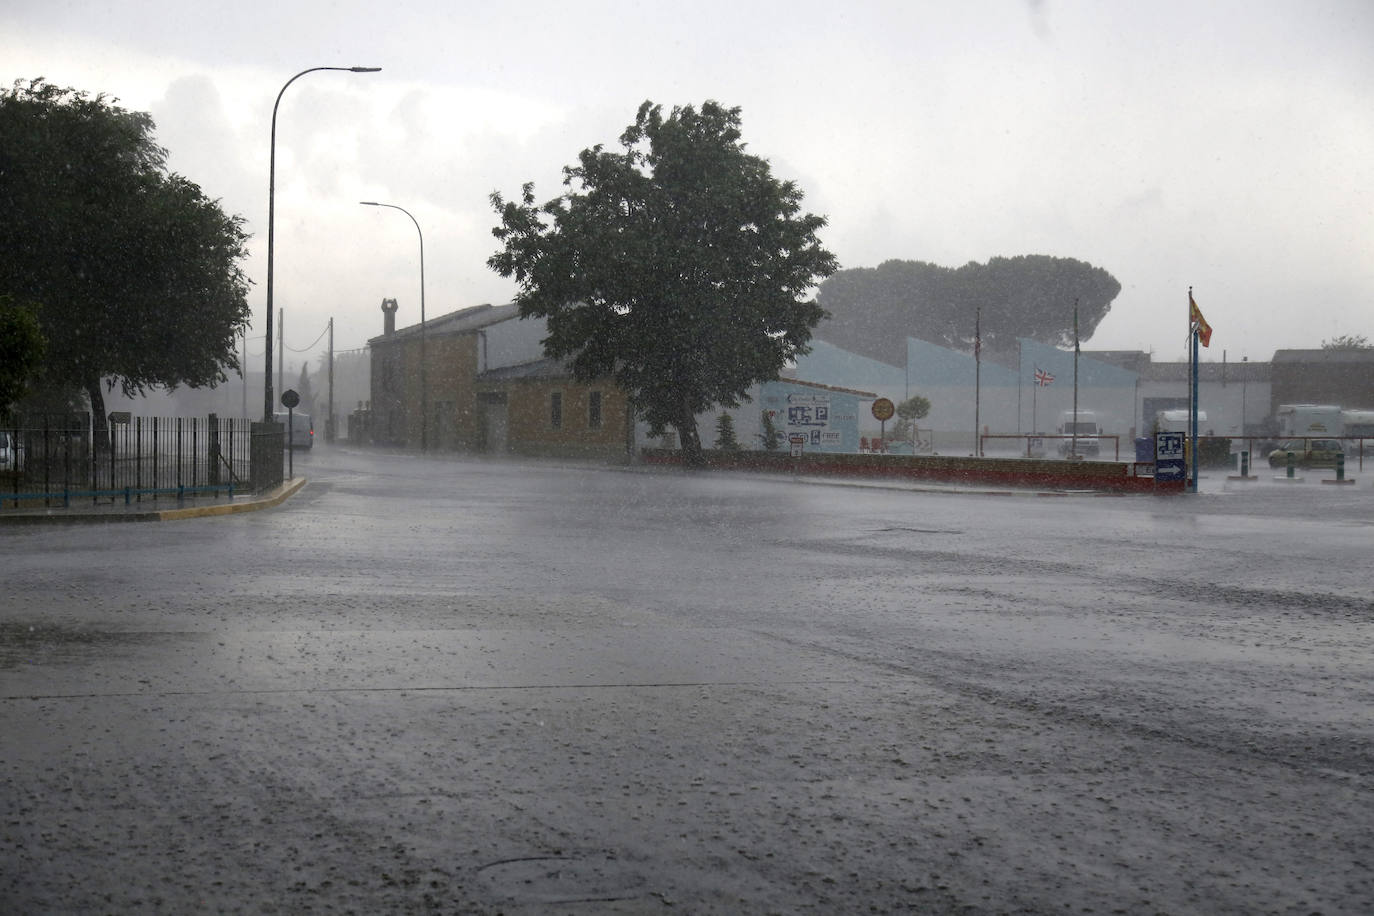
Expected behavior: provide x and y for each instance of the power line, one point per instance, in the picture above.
(312, 346)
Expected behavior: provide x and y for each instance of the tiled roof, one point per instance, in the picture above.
(460, 322)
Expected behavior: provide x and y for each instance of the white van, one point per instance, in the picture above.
(1301, 420)
(302, 431)
(1085, 428)
(1176, 421)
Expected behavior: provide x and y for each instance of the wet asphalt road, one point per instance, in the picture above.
(460, 686)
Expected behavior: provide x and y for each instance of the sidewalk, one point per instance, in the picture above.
(154, 510)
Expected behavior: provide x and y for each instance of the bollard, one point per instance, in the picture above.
(1292, 463)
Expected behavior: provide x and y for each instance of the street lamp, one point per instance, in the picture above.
(424, 390)
(267, 409)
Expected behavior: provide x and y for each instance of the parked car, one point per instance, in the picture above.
(1308, 453)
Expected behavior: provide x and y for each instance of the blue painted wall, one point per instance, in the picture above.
(828, 419)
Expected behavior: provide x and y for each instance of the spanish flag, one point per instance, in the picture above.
(1204, 330)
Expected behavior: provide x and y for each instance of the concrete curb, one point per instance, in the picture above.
(268, 500)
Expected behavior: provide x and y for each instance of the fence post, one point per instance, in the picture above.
(212, 450)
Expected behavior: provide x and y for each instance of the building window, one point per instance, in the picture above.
(556, 409)
(594, 410)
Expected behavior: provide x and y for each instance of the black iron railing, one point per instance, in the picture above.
(55, 459)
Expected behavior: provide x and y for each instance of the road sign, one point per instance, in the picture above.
(289, 398)
(1169, 458)
(883, 410)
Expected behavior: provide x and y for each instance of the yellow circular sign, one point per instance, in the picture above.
(883, 410)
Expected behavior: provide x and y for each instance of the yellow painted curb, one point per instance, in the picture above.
(276, 498)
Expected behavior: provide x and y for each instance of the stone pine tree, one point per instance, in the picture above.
(677, 264)
(133, 273)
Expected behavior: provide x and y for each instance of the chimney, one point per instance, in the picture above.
(389, 316)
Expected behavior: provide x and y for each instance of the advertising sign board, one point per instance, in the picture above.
(1169, 460)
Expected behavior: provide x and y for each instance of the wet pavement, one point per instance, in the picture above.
(451, 685)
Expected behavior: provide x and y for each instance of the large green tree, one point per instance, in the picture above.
(676, 264)
(133, 272)
(874, 309)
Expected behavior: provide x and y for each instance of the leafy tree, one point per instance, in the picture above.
(132, 271)
(725, 433)
(22, 346)
(677, 264)
(1347, 342)
(873, 309)
(908, 412)
(914, 408)
(772, 439)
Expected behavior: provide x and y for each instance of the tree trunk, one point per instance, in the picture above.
(686, 424)
(100, 428)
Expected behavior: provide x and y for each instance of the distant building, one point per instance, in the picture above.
(1344, 377)
(453, 346)
(491, 389)
(538, 408)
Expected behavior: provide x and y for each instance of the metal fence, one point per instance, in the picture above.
(55, 459)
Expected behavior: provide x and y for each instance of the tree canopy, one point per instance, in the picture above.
(1347, 342)
(22, 346)
(676, 264)
(132, 271)
(873, 309)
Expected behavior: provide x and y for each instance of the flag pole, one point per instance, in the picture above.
(1073, 443)
(1020, 383)
(1192, 380)
(977, 377)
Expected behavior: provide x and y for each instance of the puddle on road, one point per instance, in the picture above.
(44, 643)
(562, 879)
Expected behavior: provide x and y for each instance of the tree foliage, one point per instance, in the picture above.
(915, 407)
(909, 411)
(726, 440)
(874, 309)
(676, 264)
(771, 438)
(22, 346)
(132, 271)
(306, 390)
(1347, 342)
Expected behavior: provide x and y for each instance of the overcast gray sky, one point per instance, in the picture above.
(1224, 145)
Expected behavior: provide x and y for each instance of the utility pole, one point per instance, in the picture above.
(243, 369)
(281, 348)
(329, 423)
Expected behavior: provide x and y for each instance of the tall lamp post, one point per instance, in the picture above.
(424, 390)
(267, 409)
